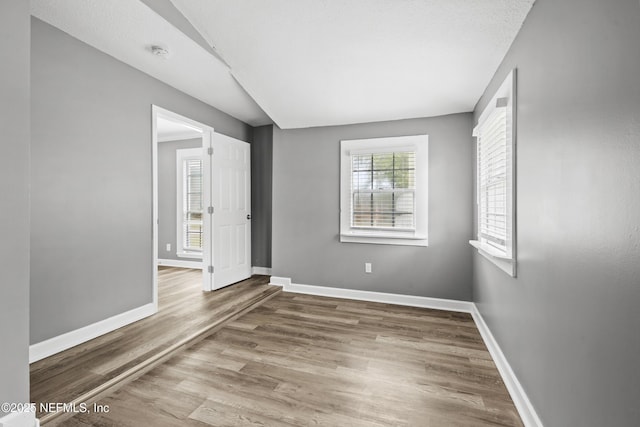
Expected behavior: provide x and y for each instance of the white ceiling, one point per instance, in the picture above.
(309, 62)
(327, 62)
(169, 130)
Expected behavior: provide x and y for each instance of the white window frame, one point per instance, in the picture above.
(183, 155)
(504, 98)
(416, 237)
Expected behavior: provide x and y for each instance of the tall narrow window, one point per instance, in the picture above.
(495, 178)
(190, 212)
(384, 190)
(493, 183)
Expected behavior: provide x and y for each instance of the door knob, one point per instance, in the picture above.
(249, 216)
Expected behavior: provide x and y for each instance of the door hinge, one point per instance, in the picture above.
(210, 209)
(210, 151)
(210, 269)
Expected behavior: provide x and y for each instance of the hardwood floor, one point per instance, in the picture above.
(305, 360)
(185, 315)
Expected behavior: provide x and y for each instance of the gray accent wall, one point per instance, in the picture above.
(261, 195)
(14, 201)
(91, 228)
(568, 324)
(167, 196)
(306, 212)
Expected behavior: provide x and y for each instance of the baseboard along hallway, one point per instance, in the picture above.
(186, 314)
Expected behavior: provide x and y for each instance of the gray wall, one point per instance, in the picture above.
(167, 196)
(91, 241)
(261, 195)
(14, 201)
(306, 202)
(569, 322)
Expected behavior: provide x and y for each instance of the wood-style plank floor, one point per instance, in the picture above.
(183, 309)
(302, 360)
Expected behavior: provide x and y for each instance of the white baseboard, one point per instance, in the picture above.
(70, 339)
(180, 263)
(198, 264)
(265, 271)
(19, 419)
(408, 300)
(516, 391)
(280, 281)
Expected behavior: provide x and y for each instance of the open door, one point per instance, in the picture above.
(230, 258)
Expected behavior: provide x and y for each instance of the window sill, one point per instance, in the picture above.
(505, 264)
(384, 239)
(193, 255)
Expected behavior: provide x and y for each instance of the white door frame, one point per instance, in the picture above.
(207, 138)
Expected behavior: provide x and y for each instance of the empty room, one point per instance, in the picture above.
(313, 212)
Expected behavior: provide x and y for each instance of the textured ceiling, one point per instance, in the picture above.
(305, 63)
(125, 29)
(320, 62)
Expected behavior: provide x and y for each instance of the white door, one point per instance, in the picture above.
(231, 201)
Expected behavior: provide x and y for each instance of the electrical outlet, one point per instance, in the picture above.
(168, 247)
(367, 267)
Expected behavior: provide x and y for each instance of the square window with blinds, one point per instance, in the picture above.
(383, 190)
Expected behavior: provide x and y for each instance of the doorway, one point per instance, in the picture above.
(212, 224)
(181, 229)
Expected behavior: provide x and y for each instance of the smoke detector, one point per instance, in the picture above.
(159, 51)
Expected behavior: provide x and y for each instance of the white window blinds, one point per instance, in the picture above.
(192, 205)
(383, 190)
(493, 184)
(384, 185)
(495, 178)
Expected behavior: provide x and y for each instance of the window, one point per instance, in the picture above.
(495, 135)
(189, 202)
(384, 183)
